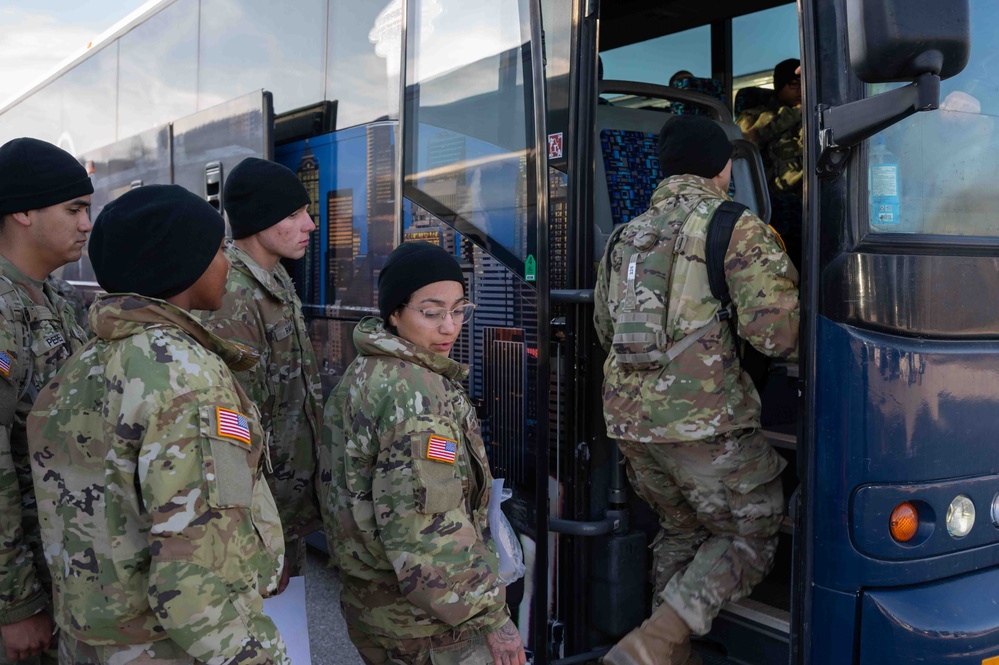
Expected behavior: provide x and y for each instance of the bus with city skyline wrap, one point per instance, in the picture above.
(517, 134)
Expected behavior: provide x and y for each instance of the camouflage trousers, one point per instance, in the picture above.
(163, 652)
(453, 648)
(294, 555)
(720, 505)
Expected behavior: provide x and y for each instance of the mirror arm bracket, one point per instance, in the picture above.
(843, 127)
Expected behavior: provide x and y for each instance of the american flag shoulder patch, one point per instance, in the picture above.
(441, 449)
(6, 362)
(232, 425)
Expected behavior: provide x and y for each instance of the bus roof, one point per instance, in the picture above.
(103, 39)
(624, 22)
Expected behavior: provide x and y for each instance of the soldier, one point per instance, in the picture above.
(146, 455)
(268, 213)
(776, 130)
(684, 413)
(44, 221)
(405, 481)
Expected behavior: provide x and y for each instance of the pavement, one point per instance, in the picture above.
(328, 639)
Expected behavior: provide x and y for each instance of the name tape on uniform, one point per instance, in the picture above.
(441, 449)
(232, 425)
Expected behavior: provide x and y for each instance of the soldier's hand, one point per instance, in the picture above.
(285, 578)
(27, 638)
(505, 645)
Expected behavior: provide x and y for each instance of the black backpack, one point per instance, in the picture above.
(754, 363)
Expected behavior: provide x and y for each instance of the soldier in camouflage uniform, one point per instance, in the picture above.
(268, 213)
(44, 221)
(405, 481)
(776, 130)
(684, 413)
(147, 457)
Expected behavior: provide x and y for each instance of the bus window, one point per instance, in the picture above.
(656, 60)
(362, 69)
(759, 41)
(86, 96)
(466, 123)
(158, 69)
(254, 44)
(936, 172)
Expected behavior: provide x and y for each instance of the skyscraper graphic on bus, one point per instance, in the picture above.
(309, 273)
(340, 244)
(381, 199)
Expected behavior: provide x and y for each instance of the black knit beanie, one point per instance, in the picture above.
(784, 73)
(35, 174)
(259, 193)
(155, 240)
(410, 267)
(693, 145)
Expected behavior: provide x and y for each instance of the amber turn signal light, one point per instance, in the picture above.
(904, 522)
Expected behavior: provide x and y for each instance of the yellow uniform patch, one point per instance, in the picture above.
(442, 449)
(232, 425)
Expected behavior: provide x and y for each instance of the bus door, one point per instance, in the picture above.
(195, 151)
(206, 145)
(897, 539)
(474, 179)
(143, 159)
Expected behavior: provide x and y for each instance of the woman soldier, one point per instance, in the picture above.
(405, 481)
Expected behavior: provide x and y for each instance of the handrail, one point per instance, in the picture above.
(717, 109)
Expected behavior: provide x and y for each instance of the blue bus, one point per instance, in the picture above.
(516, 134)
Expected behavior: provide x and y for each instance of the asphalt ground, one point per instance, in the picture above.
(328, 639)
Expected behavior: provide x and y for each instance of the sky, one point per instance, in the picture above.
(38, 35)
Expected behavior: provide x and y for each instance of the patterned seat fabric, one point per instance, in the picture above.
(749, 98)
(631, 163)
(705, 86)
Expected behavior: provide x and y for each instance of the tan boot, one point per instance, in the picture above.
(663, 639)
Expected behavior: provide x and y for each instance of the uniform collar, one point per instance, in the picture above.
(120, 315)
(276, 282)
(372, 339)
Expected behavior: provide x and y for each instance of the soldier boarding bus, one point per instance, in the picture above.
(517, 134)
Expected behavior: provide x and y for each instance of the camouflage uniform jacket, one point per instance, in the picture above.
(703, 392)
(261, 311)
(40, 330)
(405, 494)
(776, 130)
(146, 459)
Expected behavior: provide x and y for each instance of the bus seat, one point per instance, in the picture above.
(707, 86)
(749, 98)
(627, 168)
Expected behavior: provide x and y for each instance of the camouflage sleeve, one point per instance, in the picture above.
(204, 568)
(602, 320)
(239, 322)
(440, 559)
(764, 287)
(763, 125)
(21, 594)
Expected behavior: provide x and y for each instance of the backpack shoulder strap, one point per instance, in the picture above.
(716, 245)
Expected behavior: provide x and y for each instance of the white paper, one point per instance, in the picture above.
(288, 613)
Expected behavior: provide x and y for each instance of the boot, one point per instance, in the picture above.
(663, 639)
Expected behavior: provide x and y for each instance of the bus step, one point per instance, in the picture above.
(711, 658)
(781, 436)
(751, 633)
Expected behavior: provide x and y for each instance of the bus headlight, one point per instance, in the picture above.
(995, 509)
(960, 516)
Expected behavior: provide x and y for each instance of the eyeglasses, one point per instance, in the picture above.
(434, 316)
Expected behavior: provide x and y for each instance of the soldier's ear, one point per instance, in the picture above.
(20, 218)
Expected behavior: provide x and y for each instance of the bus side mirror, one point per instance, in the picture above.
(898, 40)
(921, 41)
